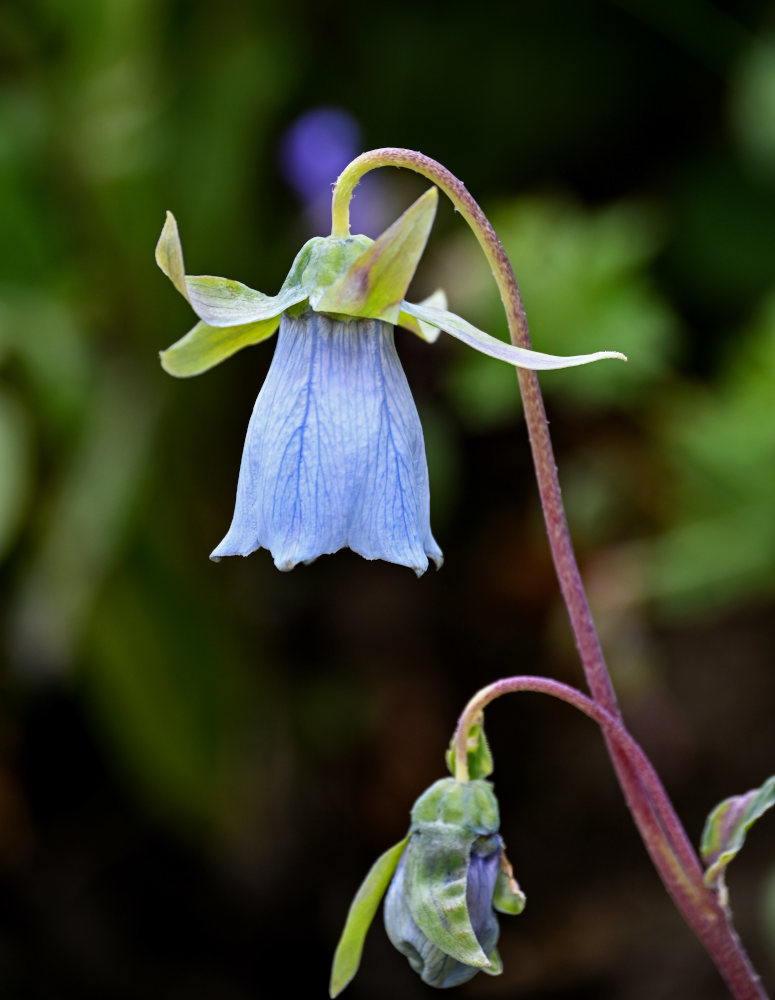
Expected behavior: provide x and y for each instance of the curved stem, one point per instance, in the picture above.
(661, 830)
(686, 872)
(698, 904)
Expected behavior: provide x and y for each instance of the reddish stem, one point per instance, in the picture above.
(659, 826)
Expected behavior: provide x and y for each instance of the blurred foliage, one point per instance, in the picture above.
(182, 743)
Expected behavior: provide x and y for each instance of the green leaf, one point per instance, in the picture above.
(221, 301)
(425, 331)
(478, 753)
(481, 341)
(362, 910)
(726, 828)
(374, 285)
(206, 346)
(436, 879)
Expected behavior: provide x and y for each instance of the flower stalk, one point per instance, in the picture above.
(659, 826)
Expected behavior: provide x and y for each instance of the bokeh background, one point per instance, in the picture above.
(199, 762)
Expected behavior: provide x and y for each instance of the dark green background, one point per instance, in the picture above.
(199, 762)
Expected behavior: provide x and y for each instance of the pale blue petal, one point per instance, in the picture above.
(334, 455)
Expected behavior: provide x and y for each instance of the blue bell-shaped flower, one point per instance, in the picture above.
(334, 455)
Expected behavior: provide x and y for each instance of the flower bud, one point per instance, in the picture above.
(439, 907)
(435, 966)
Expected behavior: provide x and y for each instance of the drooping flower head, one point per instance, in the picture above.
(444, 883)
(334, 454)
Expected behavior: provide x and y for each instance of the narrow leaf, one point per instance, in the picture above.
(726, 828)
(374, 285)
(206, 346)
(348, 952)
(480, 341)
(426, 332)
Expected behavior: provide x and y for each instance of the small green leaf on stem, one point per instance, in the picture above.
(726, 828)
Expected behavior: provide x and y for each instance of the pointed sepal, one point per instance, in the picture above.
(459, 328)
(362, 911)
(726, 828)
(169, 254)
(436, 878)
(221, 301)
(480, 763)
(508, 897)
(206, 346)
(376, 283)
(425, 331)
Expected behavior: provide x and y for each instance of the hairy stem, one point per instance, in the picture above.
(657, 822)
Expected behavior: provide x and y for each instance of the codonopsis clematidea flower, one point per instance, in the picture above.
(446, 878)
(334, 455)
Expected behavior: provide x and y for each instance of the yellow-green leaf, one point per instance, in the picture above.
(348, 952)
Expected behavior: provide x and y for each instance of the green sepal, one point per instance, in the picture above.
(446, 820)
(328, 258)
(426, 332)
(169, 254)
(375, 284)
(726, 828)
(480, 763)
(347, 957)
(496, 965)
(521, 357)
(436, 878)
(221, 301)
(469, 806)
(206, 346)
(508, 897)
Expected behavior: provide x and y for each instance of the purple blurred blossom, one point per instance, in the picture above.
(313, 152)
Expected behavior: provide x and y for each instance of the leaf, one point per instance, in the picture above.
(426, 332)
(374, 285)
(206, 346)
(481, 341)
(362, 910)
(221, 301)
(726, 828)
